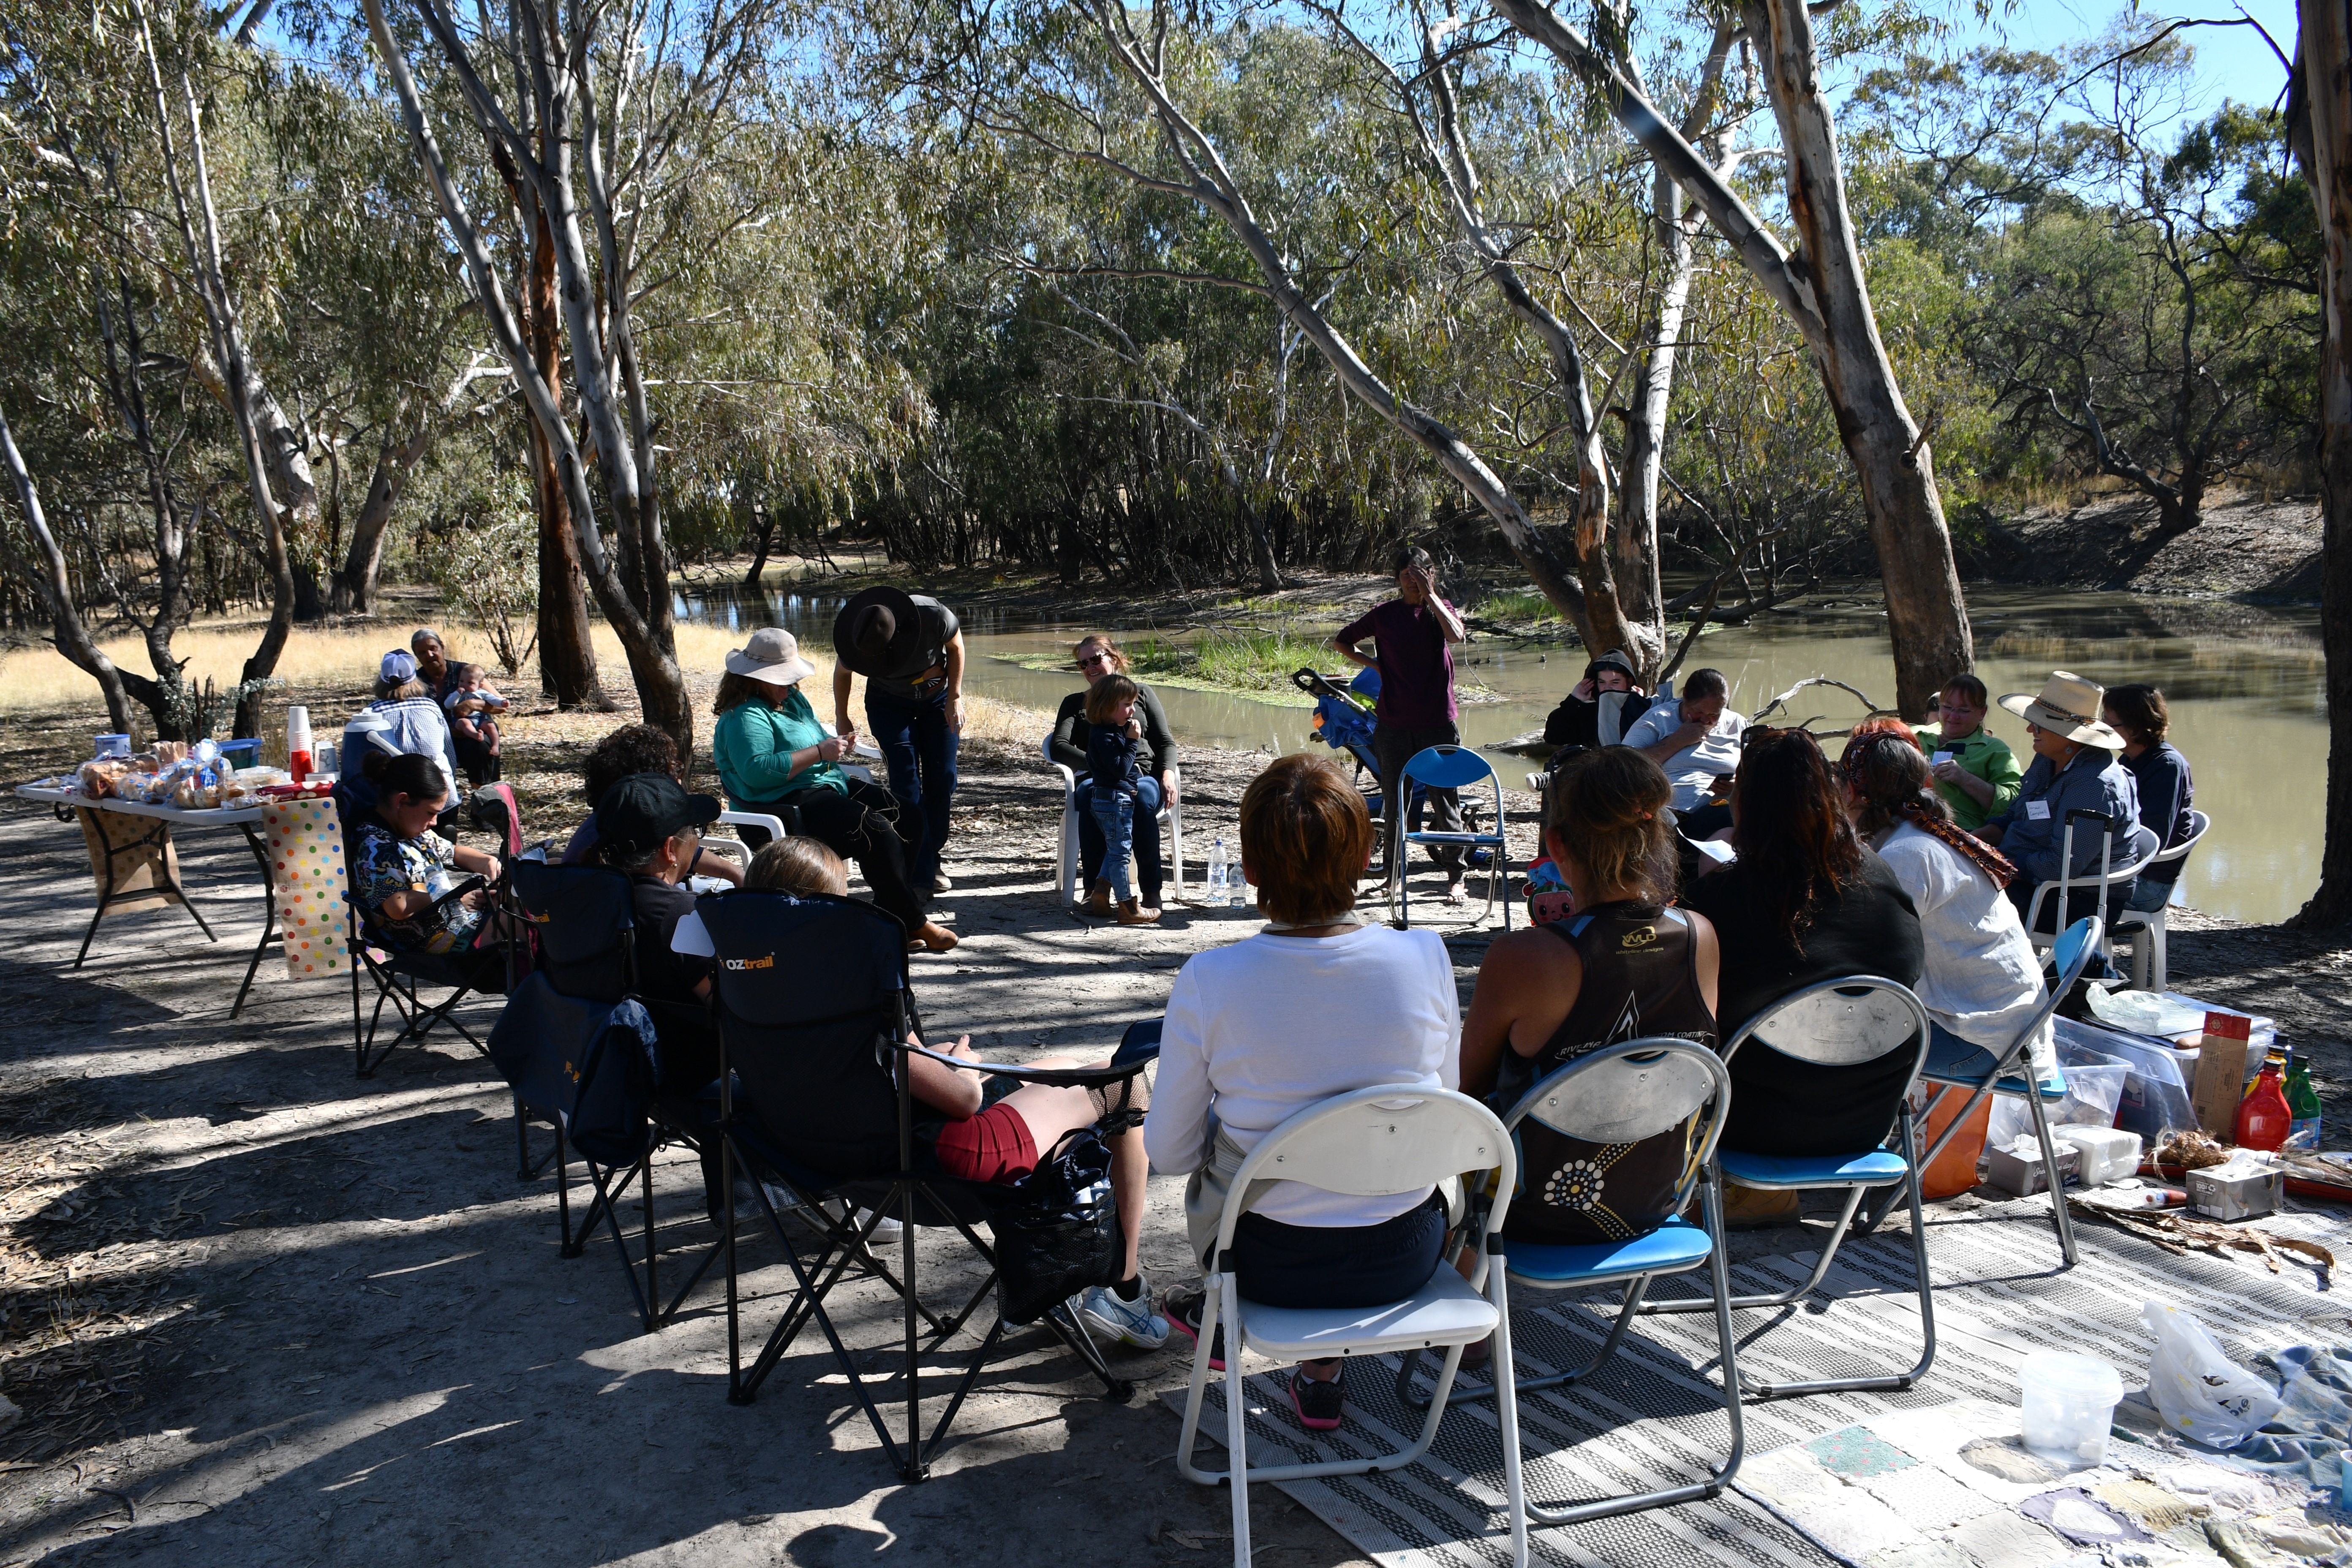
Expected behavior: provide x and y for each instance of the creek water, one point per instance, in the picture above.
(2244, 684)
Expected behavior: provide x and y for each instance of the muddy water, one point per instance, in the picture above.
(2244, 685)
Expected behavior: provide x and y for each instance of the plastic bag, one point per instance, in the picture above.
(2200, 1392)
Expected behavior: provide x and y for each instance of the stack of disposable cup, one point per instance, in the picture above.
(297, 729)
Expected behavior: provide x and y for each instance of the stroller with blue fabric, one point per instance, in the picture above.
(1344, 721)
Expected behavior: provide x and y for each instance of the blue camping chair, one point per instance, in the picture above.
(583, 1050)
(1837, 1023)
(1954, 1063)
(1623, 1094)
(1456, 768)
(815, 1014)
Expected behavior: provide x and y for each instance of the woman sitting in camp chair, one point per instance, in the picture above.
(402, 869)
(997, 1141)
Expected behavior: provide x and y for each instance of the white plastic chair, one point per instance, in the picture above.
(2143, 847)
(1066, 847)
(1372, 1142)
(2143, 929)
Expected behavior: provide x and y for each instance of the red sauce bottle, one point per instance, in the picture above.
(2263, 1116)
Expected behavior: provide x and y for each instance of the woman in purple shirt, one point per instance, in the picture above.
(1412, 648)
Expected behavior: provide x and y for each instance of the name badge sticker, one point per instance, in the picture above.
(2038, 810)
(1941, 758)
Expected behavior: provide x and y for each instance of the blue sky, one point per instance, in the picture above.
(2232, 62)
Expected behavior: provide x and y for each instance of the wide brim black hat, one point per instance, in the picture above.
(906, 636)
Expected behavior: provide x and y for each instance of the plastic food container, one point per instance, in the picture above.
(2069, 1402)
(113, 746)
(2108, 1153)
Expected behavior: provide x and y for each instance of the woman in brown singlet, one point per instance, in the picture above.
(1623, 965)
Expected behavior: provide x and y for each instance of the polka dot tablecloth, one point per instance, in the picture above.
(305, 840)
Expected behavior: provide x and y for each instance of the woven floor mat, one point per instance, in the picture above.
(1655, 1417)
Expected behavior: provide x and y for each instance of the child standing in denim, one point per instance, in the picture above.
(1121, 788)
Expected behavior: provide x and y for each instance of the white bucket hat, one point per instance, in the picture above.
(2068, 705)
(773, 655)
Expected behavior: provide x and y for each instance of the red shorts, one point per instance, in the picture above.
(993, 1147)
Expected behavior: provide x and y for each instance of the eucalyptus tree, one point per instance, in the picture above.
(1823, 289)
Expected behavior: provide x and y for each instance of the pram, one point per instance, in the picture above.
(1344, 721)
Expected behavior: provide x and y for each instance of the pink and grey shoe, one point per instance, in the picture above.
(1182, 1308)
(1320, 1406)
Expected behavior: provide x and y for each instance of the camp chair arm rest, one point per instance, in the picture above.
(1068, 1078)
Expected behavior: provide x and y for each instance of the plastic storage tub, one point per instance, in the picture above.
(2069, 1402)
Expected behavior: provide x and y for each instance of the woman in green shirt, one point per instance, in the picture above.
(1976, 773)
(772, 750)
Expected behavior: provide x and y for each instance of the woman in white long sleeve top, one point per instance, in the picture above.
(1316, 1005)
(1982, 979)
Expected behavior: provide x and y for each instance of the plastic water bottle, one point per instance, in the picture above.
(1236, 887)
(1218, 874)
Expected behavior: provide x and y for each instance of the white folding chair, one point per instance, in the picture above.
(1837, 1023)
(2142, 845)
(1623, 1094)
(1065, 845)
(2143, 929)
(1372, 1142)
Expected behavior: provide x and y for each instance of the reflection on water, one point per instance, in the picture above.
(2244, 683)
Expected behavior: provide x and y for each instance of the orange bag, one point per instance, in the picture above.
(1955, 1170)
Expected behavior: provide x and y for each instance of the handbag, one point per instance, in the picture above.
(1057, 1229)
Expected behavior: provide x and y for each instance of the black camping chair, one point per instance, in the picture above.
(582, 1050)
(814, 1014)
(396, 975)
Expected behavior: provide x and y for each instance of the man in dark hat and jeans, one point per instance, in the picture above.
(1412, 639)
(909, 648)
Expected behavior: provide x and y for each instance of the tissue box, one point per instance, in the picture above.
(2106, 1153)
(2236, 1191)
(2018, 1170)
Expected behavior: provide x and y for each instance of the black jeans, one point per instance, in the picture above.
(1279, 1265)
(1148, 870)
(862, 825)
(1396, 745)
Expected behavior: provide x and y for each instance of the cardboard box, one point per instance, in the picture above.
(2221, 1073)
(2022, 1174)
(2226, 1192)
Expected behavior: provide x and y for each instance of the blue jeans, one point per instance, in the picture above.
(918, 747)
(1114, 813)
(2148, 895)
(1147, 871)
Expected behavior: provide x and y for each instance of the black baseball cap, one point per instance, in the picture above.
(645, 811)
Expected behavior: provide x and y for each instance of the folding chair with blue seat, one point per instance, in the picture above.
(1623, 1094)
(815, 1012)
(1836, 1023)
(582, 1050)
(1454, 768)
(1370, 1142)
(1954, 1063)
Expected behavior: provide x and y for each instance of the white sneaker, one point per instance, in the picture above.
(1124, 1322)
(887, 1229)
(939, 883)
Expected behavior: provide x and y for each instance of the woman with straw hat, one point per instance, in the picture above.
(771, 749)
(2074, 769)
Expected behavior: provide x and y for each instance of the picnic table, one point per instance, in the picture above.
(147, 849)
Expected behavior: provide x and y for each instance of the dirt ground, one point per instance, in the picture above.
(2242, 547)
(255, 1309)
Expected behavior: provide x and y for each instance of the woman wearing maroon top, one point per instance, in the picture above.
(1413, 637)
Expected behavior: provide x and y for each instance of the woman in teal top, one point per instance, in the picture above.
(772, 750)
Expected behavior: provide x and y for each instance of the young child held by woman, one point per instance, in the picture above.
(1121, 789)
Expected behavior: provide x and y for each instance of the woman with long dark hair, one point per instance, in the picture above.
(1980, 979)
(1807, 900)
(1621, 966)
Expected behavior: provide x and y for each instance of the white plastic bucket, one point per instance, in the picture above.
(2069, 1402)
